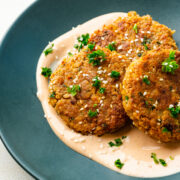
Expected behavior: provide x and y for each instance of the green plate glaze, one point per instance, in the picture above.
(23, 128)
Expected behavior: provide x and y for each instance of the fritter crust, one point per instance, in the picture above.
(77, 70)
(147, 102)
(135, 35)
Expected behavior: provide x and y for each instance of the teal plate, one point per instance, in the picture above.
(23, 128)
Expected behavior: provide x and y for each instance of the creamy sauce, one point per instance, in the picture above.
(136, 150)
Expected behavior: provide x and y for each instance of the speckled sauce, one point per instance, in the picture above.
(135, 152)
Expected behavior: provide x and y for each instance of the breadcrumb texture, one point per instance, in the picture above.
(148, 105)
(77, 70)
(131, 33)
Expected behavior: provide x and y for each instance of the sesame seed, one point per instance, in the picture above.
(171, 105)
(102, 104)
(109, 74)
(99, 72)
(97, 110)
(161, 79)
(132, 41)
(148, 32)
(142, 32)
(80, 122)
(127, 54)
(116, 31)
(86, 106)
(71, 86)
(126, 34)
(105, 82)
(103, 97)
(136, 40)
(144, 93)
(81, 109)
(137, 111)
(119, 47)
(100, 67)
(105, 71)
(142, 39)
(102, 38)
(119, 56)
(101, 101)
(111, 105)
(117, 85)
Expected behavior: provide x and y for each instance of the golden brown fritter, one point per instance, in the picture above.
(151, 94)
(78, 95)
(134, 35)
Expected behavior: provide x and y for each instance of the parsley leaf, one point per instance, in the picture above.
(74, 90)
(70, 54)
(175, 111)
(163, 162)
(119, 164)
(96, 57)
(165, 130)
(126, 98)
(49, 50)
(146, 80)
(117, 143)
(91, 46)
(115, 74)
(83, 41)
(135, 28)
(168, 65)
(52, 95)
(92, 114)
(145, 41)
(153, 155)
(46, 72)
(111, 46)
(97, 82)
(102, 90)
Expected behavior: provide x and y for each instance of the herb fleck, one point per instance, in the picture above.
(118, 164)
(52, 95)
(115, 74)
(146, 80)
(49, 50)
(97, 82)
(70, 54)
(169, 65)
(46, 72)
(102, 90)
(153, 155)
(96, 57)
(174, 111)
(91, 46)
(92, 114)
(135, 28)
(83, 41)
(74, 90)
(126, 98)
(117, 143)
(111, 46)
(163, 162)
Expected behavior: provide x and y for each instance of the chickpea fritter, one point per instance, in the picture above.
(84, 90)
(133, 35)
(151, 94)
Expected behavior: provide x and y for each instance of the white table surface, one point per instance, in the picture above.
(9, 11)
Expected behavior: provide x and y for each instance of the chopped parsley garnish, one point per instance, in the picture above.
(169, 65)
(46, 72)
(171, 158)
(144, 43)
(117, 143)
(91, 46)
(49, 50)
(92, 113)
(115, 74)
(96, 83)
(146, 80)
(123, 137)
(126, 98)
(119, 164)
(95, 105)
(135, 28)
(102, 90)
(153, 155)
(165, 130)
(52, 95)
(83, 41)
(175, 111)
(96, 57)
(70, 54)
(74, 90)
(157, 161)
(163, 162)
(111, 46)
